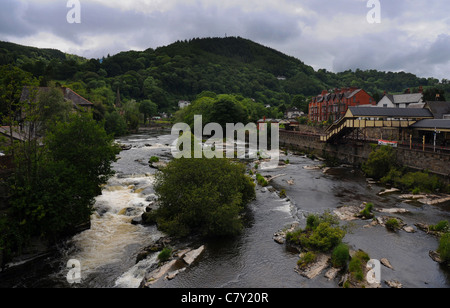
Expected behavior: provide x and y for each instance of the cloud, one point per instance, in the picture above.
(413, 35)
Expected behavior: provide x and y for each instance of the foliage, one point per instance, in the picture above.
(357, 265)
(204, 196)
(340, 255)
(417, 181)
(154, 159)
(306, 259)
(367, 212)
(261, 180)
(381, 161)
(444, 248)
(165, 254)
(321, 234)
(53, 187)
(115, 124)
(182, 70)
(442, 226)
(392, 224)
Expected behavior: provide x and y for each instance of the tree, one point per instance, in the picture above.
(115, 124)
(148, 108)
(55, 196)
(203, 196)
(380, 162)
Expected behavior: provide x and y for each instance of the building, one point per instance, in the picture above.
(408, 100)
(332, 106)
(183, 104)
(440, 110)
(293, 113)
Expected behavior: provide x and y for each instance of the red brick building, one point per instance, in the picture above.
(333, 105)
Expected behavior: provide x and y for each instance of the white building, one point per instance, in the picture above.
(183, 104)
(401, 101)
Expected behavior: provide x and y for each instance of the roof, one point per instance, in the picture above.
(439, 109)
(390, 112)
(68, 93)
(405, 98)
(433, 124)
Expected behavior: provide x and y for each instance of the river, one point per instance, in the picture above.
(107, 252)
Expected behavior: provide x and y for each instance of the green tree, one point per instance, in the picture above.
(55, 196)
(148, 109)
(380, 162)
(204, 196)
(115, 124)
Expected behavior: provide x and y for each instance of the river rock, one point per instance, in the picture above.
(435, 256)
(191, 256)
(280, 236)
(314, 269)
(393, 211)
(386, 263)
(388, 191)
(349, 213)
(332, 273)
(158, 165)
(394, 284)
(409, 229)
(155, 275)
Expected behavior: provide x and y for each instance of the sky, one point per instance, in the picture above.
(337, 35)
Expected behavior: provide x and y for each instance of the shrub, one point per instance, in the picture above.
(324, 238)
(340, 256)
(165, 254)
(357, 265)
(154, 159)
(312, 222)
(444, 248)
(306, 259)
(393, 224)
(283, 193)
(261, 180)
(367, 212)
(441, 226)
(380, 162)
(202, 196)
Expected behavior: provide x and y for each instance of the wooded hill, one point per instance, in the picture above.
(184, 69)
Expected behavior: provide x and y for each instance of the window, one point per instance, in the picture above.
(384, 105)
(446, 116)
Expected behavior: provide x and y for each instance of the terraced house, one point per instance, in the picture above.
(332, 106)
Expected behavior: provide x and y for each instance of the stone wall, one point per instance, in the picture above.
(355, 153)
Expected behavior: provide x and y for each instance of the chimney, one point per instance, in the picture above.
(408, 91)
(421, 89)
(324, 92)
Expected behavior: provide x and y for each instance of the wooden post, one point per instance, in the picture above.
(424, 143)
(410, 142)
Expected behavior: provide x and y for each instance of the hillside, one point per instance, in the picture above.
(184, 69)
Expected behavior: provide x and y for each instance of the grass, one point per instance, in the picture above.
(393, 224)
(261, 180)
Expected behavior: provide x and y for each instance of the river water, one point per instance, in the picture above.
(107, 252)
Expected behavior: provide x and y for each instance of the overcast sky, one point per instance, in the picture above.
(413, 35)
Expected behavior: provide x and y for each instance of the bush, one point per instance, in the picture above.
(202, 196)
(357, 265)
(261, 180)
(380, 162)
(393, 224)
(306, 259)
(321, 234)
(441, 226)
(340, 256)
(444, 248)
(367, 212)
(165, 254)
(154, 159)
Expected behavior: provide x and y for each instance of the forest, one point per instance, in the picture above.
(184, 69)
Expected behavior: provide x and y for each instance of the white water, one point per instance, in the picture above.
(110, 234)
